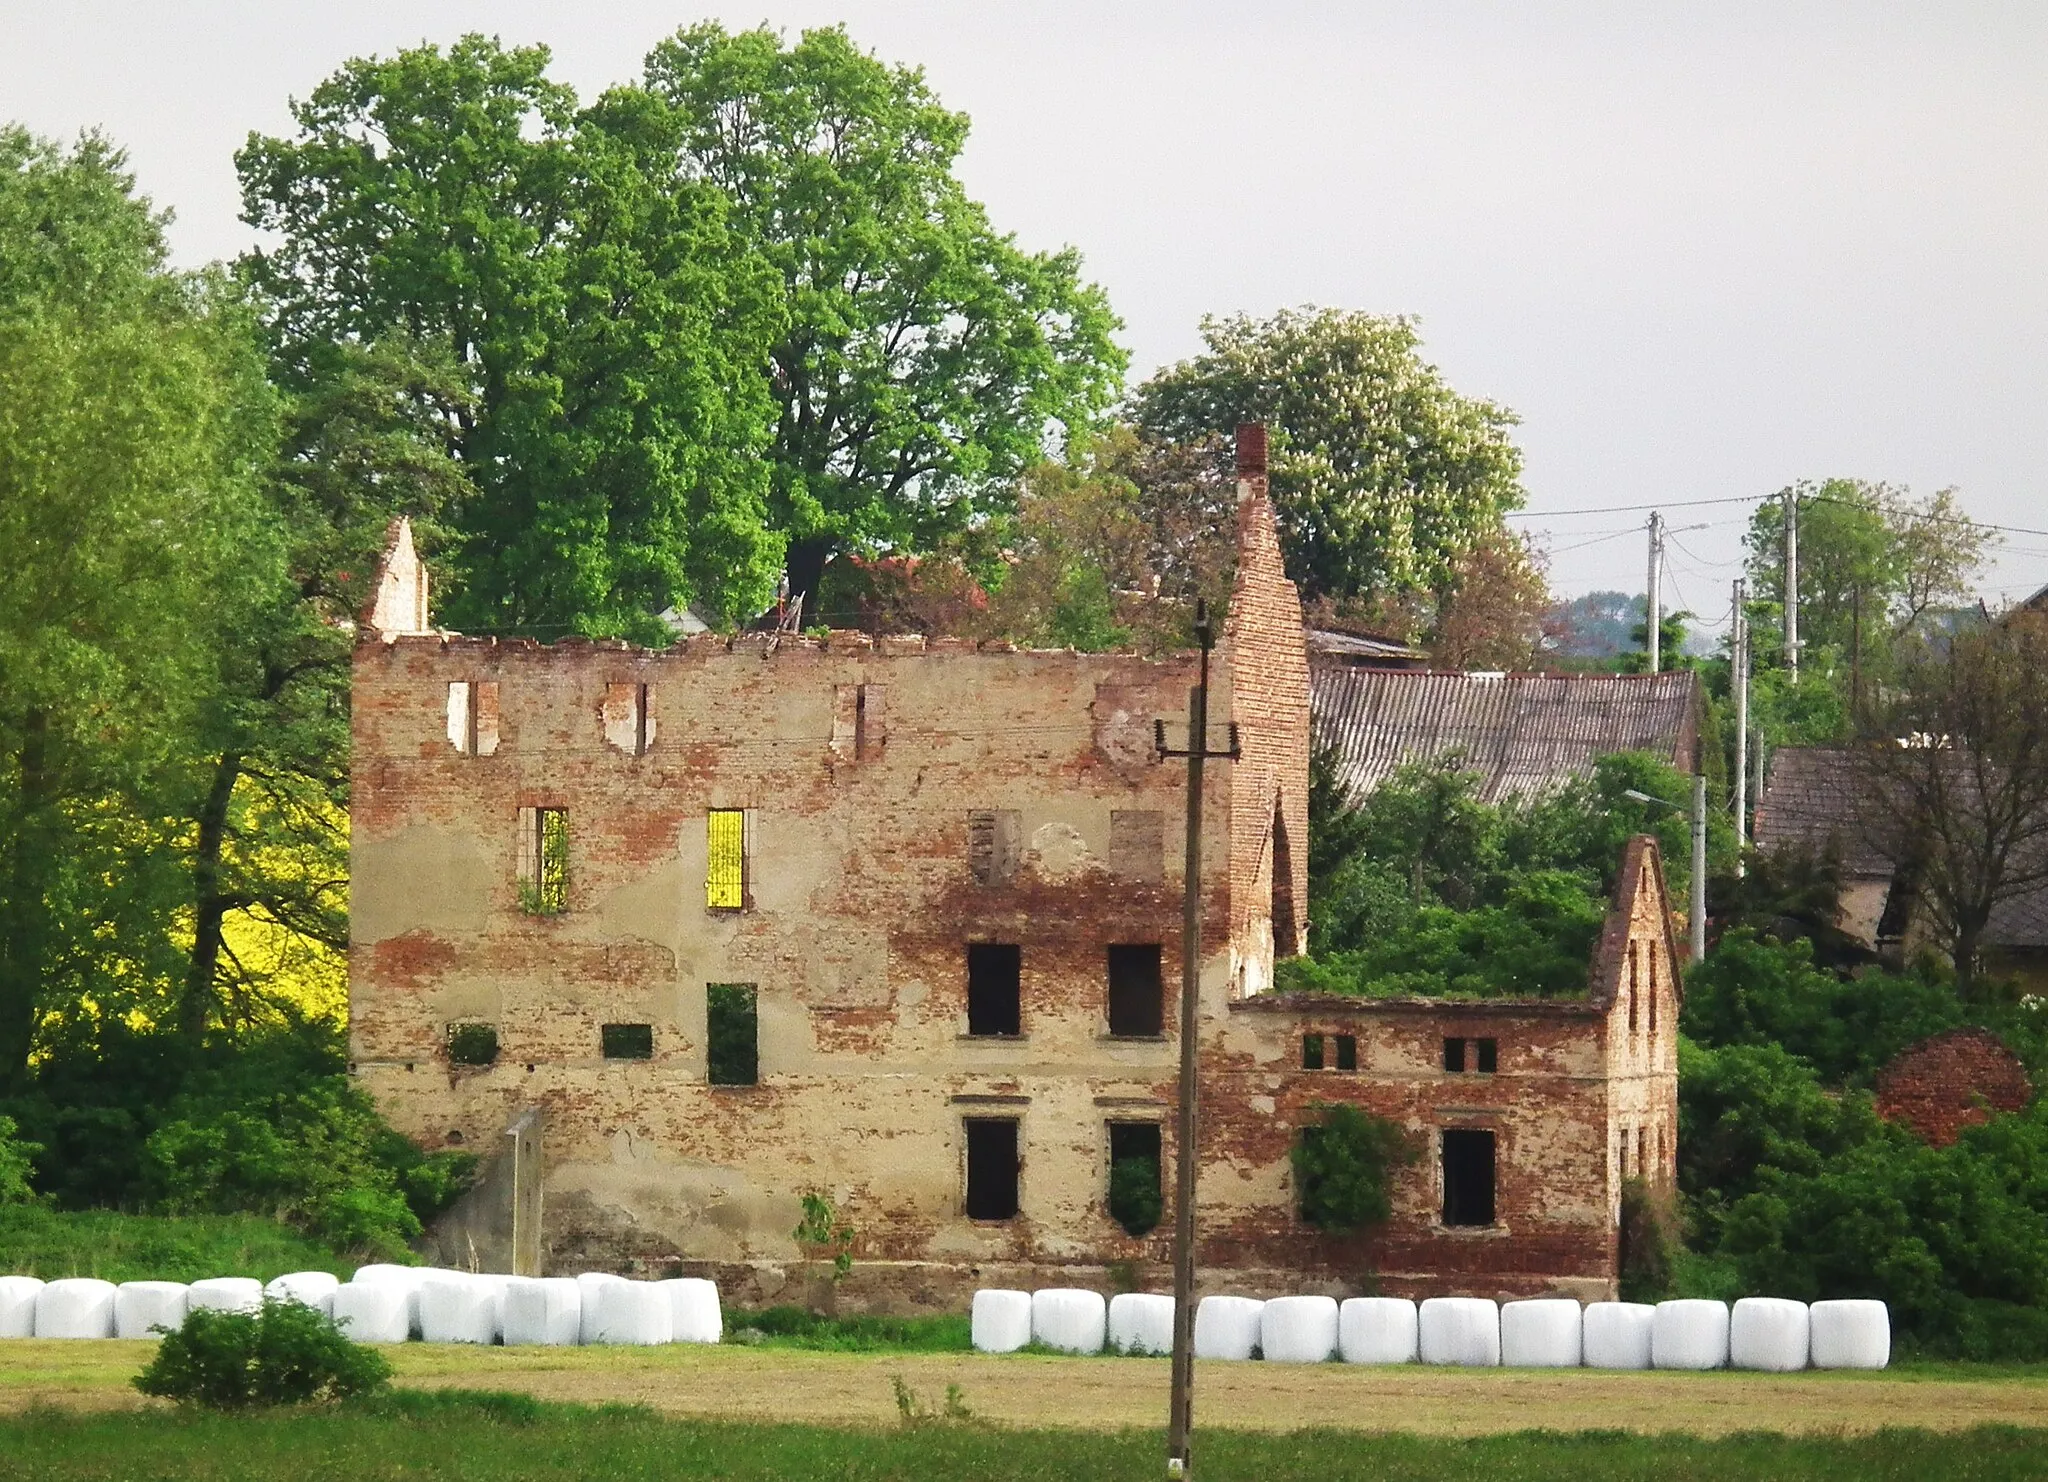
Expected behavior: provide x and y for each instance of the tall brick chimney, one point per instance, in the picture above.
(1251, 450)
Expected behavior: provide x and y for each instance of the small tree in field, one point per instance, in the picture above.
(288, 1354)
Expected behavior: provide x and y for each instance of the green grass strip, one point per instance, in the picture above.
(146, 1247)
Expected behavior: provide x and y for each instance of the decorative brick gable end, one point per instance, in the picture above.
(398, 598)
(1269, 699)
(1952, 1081)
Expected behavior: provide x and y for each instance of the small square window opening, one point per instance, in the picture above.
(1489, 1056)
(1311, 1052)
(1347, 1052)
(626, 1041)
(1454, 1055)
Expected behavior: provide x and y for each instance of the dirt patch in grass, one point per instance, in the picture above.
(1029, 1390)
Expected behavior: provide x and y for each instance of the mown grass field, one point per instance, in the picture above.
(490, 1440)
(775, 1384)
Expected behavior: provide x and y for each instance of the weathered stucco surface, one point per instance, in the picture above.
(861, 766)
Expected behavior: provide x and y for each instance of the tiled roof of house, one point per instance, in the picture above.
(1811, 799)
(1525, 734)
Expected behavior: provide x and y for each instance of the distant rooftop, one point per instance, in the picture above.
(1525, 734)
(1373, 650)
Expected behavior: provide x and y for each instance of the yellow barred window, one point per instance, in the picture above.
(725, 873)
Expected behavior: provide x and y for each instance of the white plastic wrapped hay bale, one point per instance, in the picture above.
(226, 1294)
(313, 1289)
(694, 1315)
(1689, 1334)
(456, 1307)
(587, 1286)
(1542, 1333)
(407, 1279)
(1001, 1320)
(1069, 1320)
(1376, 1330)
(18, 1306)
(1768, 1333)
(633, 1312)
(543, 1311)
(1298, 1330)
(1617, 1334)
(1459, 1330)
(1851, 1334)
(1227, 1327)
(76, 1307)
(374, 1311)
(1140, 1322)
(142, 1307)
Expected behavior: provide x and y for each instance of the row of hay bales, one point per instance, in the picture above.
(1764, 1333)
(384, 1304)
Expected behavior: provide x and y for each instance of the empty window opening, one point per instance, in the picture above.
(993, 844)
(1653, 993)
(1347, 1052)
(543, 860)
(629, 718)
(1454, 1055)
(1134, 1198)
(1135, 996)
(1631, 987)
(472, 1044)
(992, 1168)
(1286, 923)
(626, 1041)
(1488, 1055)
(725, 859)
(732, 1034)
(1642, 1152)
(1137, 844)
(1311, 1052)
(1468, 1176)
(995, 977)
(473, 716)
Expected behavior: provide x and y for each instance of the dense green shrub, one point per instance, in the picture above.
(16, 1157)
(1341, 1167)
(288, 1354)
(1650, 1242)
(37, 1240)
(1134, 1198)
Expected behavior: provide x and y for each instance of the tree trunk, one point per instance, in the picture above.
(209, 902)
(25, 871)
(804, 566)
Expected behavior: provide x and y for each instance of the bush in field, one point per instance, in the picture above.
(16, 1157)
(288, 1354)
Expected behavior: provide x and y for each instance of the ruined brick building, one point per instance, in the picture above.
(899, 921)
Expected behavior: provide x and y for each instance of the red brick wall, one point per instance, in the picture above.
(1952, 1081)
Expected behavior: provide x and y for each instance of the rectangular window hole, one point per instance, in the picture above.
(992, 1168)
(1134, 1197)
(1489, 1055)
(1311, 1052)
(543, 861)
(1454, 1055)
(1468, 1176)
(1347, 1052)
(725, 859)
(995, 975)
(627, 1041)
(472, 1044)
(1135, 995)
(732, 1034)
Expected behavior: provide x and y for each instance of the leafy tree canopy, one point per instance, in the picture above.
(921, 355)
(1384, 477)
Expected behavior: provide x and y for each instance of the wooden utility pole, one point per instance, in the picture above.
(1738, 681)
(1180, 1420)
(1792, 584)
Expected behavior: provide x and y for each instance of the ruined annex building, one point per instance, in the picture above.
(898, 921)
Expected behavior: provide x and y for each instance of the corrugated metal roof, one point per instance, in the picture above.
(1525, 734)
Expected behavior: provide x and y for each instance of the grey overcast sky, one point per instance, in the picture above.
(1702, 250)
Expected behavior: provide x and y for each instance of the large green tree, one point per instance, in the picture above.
(922, 355)
(610, 329)
(1385, 478)
(135, 424)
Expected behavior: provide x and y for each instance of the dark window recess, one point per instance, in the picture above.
(1134, 990)
(1311, 1052)
(995, 975)
(732, 1034)
(1468, 1176)
(1454, 1054)
(627, 1041)
(1347, 1052)
(992, 1168)
(472, 1044)
(1134, 1198)
(1489, 1055)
